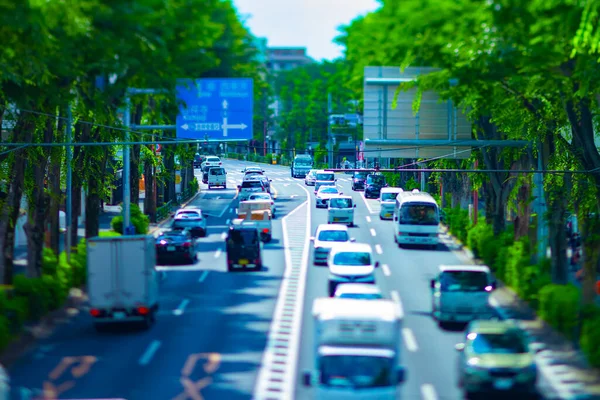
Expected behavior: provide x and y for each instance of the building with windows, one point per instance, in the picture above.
(286, 58)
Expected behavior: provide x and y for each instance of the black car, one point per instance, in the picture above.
(243, 248)
(175, 245)
(196, 226)
(358, 180)
(373, 185)
(198, 160)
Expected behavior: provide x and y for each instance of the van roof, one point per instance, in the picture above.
(332, 227)
(466, 268)
(408, 197)
(392, 190)
(356, 309)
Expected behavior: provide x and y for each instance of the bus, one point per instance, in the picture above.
(416, 219)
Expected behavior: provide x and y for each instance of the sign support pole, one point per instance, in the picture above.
(126, 170)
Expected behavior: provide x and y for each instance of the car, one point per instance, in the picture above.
(252, 168)
(311, 178)
(243, 247)
(324, 178)
(198, 160)
(373, 185)
(194, 213)
(359, 291)
(205, 173)
(211, 161)
(250, 186)
(387, 201)
(324, 194)
(196, 224)
(217, 176)
(350, 263)
(175, 245)
(340, 210)
(495, 358)
(358, 180)
(326, 237)
(259, 175)
(264, 196)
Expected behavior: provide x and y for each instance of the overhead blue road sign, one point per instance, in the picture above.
(215, 109)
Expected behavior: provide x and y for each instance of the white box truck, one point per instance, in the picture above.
(356, 349)
(122, 281)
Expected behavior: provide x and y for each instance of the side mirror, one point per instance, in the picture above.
(400, 375)
(459, 346)
(312, 238)
(376, 264)
(306, 378)
(432, 283)
(352, 240)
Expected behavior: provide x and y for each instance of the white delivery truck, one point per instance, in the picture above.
(356, 349)
(122, 281)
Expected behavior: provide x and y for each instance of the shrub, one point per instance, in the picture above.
(37, 294)
(478, 236)
(535, 277)
(559, 307)
(458, 222)
(140, 221)
(49, 261)
(517, 259)
(5, 335)
(590, 340)
(16, 312)
(194, 185)
(411, 184)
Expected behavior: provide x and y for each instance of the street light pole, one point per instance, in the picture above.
(69, 199)
(126, 169)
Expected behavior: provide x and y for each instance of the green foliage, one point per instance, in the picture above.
(5, 335)
(37, 294)
(411, 184)
(559, 306)
(519, 257)
(140, 221)
(458, 222)
(477, 237)
(194, 186)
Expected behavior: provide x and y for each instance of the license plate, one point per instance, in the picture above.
(170, 248)
(336, 219)
(119, 315)
(387, 215)
(244, 262)
(503, 384)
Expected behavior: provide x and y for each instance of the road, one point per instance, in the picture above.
(214, 322)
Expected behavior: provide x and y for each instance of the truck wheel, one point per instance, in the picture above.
(331, 289)
(148, 320)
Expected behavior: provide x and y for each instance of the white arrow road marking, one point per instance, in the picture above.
(225, 104)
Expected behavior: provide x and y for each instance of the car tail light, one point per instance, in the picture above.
(94, 312)
(187, 244)
(229, 261)
(143, 310)
(265, 230)
(263, 189)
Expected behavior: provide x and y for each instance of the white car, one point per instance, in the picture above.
(340, 210)
(211, 161)
(360, 291)
(264, 196)
(326, 237)
(311, 178)
(193, 213)
(351, 263)
(217, 177)
(324, 194)
(250, 186)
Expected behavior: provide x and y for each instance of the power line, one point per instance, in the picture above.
(484, 171)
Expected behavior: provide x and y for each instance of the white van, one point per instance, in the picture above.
(387, 201)
(217, 177)
(416, 219)
(340, 210)
(461, 293)
(324, 178)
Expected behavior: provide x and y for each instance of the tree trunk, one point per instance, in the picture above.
(23, 133)
(149, 200)
(169, 162)
(97, 159)
(557, 236)
(523, 209)
(38, 204)
(590, 228)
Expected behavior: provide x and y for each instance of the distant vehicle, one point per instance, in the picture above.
(250, 186)
(326, 237)
(252, 168)
(359, 291)
(461, 293)
(4, 384)
(387, 201)
(122, 282)
(340, 210)
(495, 358)
(198, 160)
(175, 245)
(416, 219)
(265, 196)
(301, 165)
(211, 161)
(243, 246)
(217, 177)
(250, 175)
(324, 178)
(195, 223)
(351, 263)
(373, 185)
(324, 194)
(205, 173)
(358, 180)
(311, 178)
(357, 350)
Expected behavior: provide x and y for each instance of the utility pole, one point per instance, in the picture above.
(540, 204)
(69, 199)
(126, 170)
(329, 132)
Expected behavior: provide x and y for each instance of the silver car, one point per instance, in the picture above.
(311, 178)
(326, 237)
(324, 194)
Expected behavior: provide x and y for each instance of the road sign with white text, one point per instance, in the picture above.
(215, 109)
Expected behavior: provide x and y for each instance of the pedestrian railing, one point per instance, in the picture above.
(164, 211)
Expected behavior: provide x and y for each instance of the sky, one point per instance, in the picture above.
(303, 23)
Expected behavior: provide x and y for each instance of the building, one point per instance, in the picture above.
(260, 44)
(286, 58)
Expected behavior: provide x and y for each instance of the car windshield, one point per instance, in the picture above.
(333, 236)
(246, 237)
(376, 180)
(352, 258)
(303, 163)
(356, 371)
(325, 177)
(464, 281)
(498, 343)
(360, 175)
(419, 214)
(217, 171)
(251, 184)
(361, 296)
(329, 190)
(260, 196)
(388, 196)
(189, 214)
(340, 203)
(213, 159)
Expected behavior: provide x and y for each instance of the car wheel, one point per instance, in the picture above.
(331, 289)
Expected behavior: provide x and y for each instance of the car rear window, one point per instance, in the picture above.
(389, 196)
(243, 236)
(189, 214)
(213, 159)
(325, 177)
(340, 203)
(185, 222)
(333, 236)
(251, 184)
(217, 171)
(464, 281)
(352, 258)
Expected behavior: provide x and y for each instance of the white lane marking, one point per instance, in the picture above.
(378, 249)
(149, 353)
(428, 392)
(409, 339)
(218, 253)
(368, 218)
(386, 270)
(367, 203)
(236, 211)
(227, 223)
(203, 276)
(223, 211)
(231, 210)
(373, 233)
(396, 299)
(224, 234)
(182, 306)
(266, 377)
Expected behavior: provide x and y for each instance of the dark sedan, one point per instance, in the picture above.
(373, 185)
(175, 245)
(358, 180)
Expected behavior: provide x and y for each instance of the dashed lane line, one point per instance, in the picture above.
(368, 218)
(149, 353)
(203, 276)
(373, 233)
(179, 310)
(428, 392)
(386, 270)
(409, 339)
(378, 249)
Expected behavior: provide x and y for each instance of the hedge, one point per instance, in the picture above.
(139, 220)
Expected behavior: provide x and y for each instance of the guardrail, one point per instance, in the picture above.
(163, 211)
